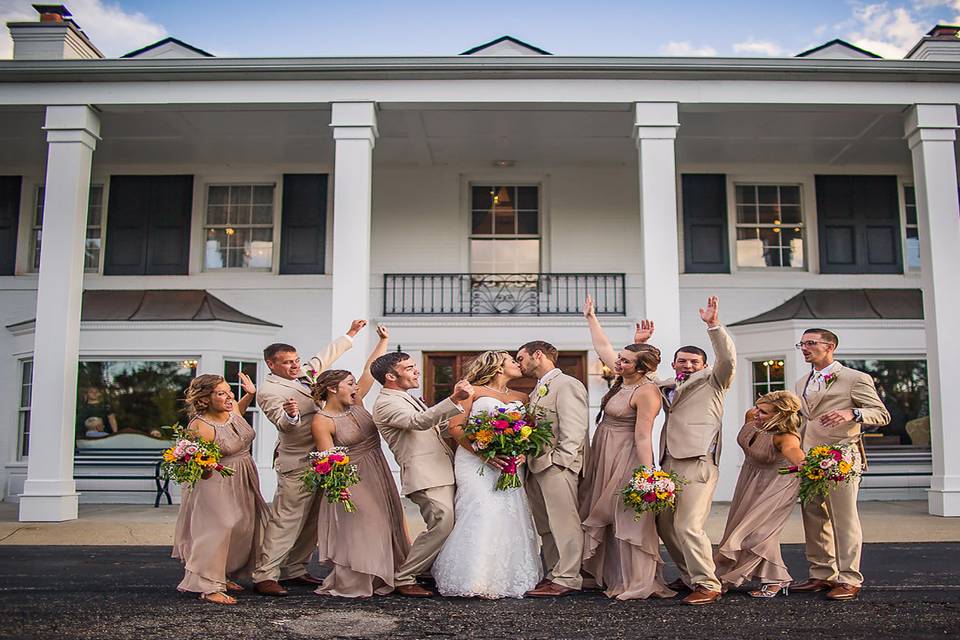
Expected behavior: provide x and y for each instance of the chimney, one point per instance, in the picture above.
(55, 37)
(941, 43)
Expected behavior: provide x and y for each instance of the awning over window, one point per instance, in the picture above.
(138, 305)
(845, 304)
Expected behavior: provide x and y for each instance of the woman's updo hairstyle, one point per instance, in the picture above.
(199, 392)
(787, 407)
(648, 359)
(329, 379)
(485, 367)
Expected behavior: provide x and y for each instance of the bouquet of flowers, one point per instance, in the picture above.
(824, 468)
(508, 432)
(191, 459)
(331, 473)
(651, 489)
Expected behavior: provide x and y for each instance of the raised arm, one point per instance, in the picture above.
(366, 381)
(322, 360)
(249, 393)
(322, 429)
(601, 344)
(646, 400)
(721, 374)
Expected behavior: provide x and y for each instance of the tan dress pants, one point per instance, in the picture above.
(834, 539)
(553, 500)
(436, 508)
(291, 533)
(682, 529)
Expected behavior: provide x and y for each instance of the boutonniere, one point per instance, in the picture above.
(829, 379)
(681, 377)
(543, 390)
(312, 374)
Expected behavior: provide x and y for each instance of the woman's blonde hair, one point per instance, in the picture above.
(787, 417)
(199, 392)
(485, 367)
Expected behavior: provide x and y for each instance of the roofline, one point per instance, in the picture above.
(842, 43)
(473, 67)
(485, 45)
(164, 41)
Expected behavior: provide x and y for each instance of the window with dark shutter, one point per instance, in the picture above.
(858, 218)
(705, 246)
(148, 225)
(9, 223)
(303, 226)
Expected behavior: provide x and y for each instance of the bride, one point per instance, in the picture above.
(492, 551)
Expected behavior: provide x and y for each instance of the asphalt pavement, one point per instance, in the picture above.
(912, 591)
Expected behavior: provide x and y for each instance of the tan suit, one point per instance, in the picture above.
(690, 447)
(414, 434)
(831, 527)
(291, 534)
(554, 477)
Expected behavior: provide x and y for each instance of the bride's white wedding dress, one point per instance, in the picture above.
(493, 550)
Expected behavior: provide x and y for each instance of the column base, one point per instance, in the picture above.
(943, 503)
(48, 508)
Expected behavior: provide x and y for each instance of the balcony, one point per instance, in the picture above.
(497, 294)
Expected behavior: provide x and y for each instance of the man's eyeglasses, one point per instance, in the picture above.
(809, 343)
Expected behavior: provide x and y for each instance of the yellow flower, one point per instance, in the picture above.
(820, 451)
(514, 415)
(816, 474)
(844, 467)
(484, 437)
(543, 391)
(346, 460)
(661, 495)
(659, 474)
(525, 432)
(168, 456)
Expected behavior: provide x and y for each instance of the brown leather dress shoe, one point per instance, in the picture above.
(678, 585)
(810, 585)
(306, 580)
(549, 590)
(269, 588)
(701, 595)
(413, 591)
(843, 592)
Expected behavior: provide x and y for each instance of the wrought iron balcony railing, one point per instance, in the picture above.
(479, 294)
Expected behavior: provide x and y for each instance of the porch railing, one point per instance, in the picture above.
(490, 294)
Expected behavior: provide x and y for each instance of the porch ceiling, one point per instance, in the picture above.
(471, 136)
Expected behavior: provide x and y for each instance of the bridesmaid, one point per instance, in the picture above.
(368, 546)
(621, 553)
(220, 521)
(763, 499)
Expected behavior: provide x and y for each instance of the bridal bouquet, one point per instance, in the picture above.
(824, 468)
(331, 473)
(191, 459)
(508, 432)
(651, 489)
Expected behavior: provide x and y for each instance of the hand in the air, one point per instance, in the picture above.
(711, 315)
(246, 383)
(588, 309)
(382, 332)
(462, 391)
(355, 327)
(644, 332)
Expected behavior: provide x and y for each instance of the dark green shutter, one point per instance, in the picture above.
(705, 245)
(303, 227)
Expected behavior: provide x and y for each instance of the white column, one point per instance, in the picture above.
(355, 132)
(931, 132)
(49, 493)
(655, 130)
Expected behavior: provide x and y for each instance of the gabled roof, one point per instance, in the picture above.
(837, 42)
(139, 305)
(166, 41)
(506, 39)
(845, 304)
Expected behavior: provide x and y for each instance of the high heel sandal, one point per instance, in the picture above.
(218, 597)
(771, 590)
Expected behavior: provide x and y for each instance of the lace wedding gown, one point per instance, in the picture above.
(493, 550)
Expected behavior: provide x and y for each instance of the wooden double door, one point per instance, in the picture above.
(442, 369)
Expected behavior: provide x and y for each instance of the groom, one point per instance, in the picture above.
(413, 433)
(555, 474)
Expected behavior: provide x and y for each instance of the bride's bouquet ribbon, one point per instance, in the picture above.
(508, 432)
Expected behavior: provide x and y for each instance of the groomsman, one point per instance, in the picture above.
(836, 402)
(554, 477)
(690, 447)
(284, 397)
(414, 434)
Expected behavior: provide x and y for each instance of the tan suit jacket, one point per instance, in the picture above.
(413, 432)
(295, 439)
(851, 389)
(565, 406)
(693, 419)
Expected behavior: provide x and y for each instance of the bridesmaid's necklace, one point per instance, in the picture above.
(213, 424)
(501, 391)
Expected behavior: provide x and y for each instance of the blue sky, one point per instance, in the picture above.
(251, 28)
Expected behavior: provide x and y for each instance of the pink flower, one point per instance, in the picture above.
(500, 425)
(836, 455)
(192, 449)
(323, 468)
(650, 497)
(336, 457)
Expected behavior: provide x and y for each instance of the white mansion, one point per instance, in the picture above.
(170, 212)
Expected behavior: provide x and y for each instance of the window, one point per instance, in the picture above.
(505, 229)
(902, 386)
(91, 254)
(769, 226)
(130, 402)
(911, 228)
(231, 369)
(768, 376)
(26, 389)
(238, 228)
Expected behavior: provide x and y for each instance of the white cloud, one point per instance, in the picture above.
(686, 49)
(110, 28)
(888, 32)
(758, 48)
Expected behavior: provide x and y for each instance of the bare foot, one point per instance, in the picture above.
(218, 597)
(233, 586)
